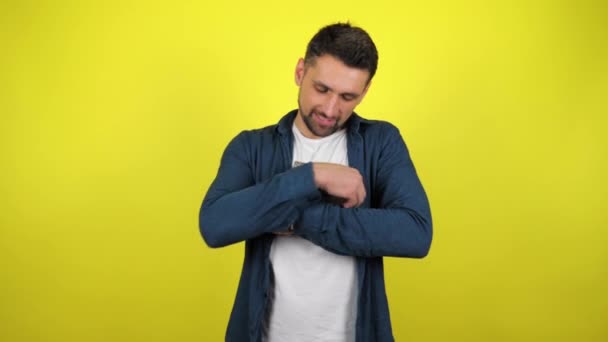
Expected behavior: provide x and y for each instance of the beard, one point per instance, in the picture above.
(314, 127)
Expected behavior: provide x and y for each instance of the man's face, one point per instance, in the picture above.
(329, 92)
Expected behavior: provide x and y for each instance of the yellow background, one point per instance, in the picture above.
(114, 115)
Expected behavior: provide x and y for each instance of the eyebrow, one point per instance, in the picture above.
(319, 83)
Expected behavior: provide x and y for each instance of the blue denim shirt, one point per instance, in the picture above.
(256, 192)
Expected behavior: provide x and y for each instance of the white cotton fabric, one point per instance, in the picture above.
(315, 291)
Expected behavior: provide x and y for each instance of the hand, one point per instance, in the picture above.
(340, 181)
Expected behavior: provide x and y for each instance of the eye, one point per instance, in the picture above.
(321, 89)
(348, 97)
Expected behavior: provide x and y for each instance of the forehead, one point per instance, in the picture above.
(333, 73)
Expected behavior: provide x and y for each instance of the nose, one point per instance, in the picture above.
(330, 107)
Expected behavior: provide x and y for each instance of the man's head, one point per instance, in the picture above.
(351, 45)
(333, 77)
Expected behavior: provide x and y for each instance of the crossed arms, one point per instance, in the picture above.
(236, 208)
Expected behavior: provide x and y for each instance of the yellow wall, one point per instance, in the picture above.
(113, 116)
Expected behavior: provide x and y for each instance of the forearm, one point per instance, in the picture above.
(367, 232)
(228, 217)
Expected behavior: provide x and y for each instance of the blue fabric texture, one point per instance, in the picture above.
(257, 192)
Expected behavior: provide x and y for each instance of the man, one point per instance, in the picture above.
(319, 199)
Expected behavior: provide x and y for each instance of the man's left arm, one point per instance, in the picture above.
(399, 224)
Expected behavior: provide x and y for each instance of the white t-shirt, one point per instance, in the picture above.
(315, 291)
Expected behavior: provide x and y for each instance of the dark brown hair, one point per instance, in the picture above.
(350, 44)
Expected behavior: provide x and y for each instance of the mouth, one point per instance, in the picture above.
(324, 120)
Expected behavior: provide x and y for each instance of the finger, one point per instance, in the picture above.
(360, 195)
(360, 199)
(350, 202)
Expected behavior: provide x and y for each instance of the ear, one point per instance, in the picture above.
(299, 74)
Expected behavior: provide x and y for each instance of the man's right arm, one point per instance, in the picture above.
(236, 208)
